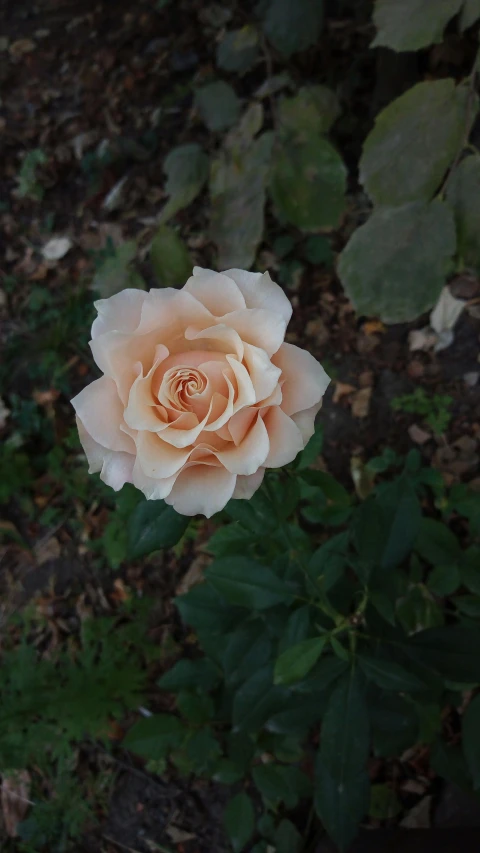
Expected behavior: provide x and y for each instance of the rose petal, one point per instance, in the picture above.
(153, 489)
(305, 380)
(120, 312)
(158, 458)
(305, 421)
(115, 466)
(257, 326)
(260, 291)
(250, 454)
(226, 340)
(203, 489)
(246, 487)
(285, 438)
(245, 391)
(215, 291)
(100, 409)
(263, 374)
(142, 411)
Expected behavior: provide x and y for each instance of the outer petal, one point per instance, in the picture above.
(285, 438)
(250, 454)
(261, 292)
(153, 490)
(203, 489)
(247, 486)
(120, 312)
(258, 326)
(305, 421)
(304, 379)
(100, 409)
(217, 292)
(115, 466)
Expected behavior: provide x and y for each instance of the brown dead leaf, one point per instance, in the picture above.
(177, 835)
(121, 591)
(418, 435)
(194, 574)
(317, 329)
(46, 398)
(361, 403)
(47, 550)
(14, 798)
(373, 327)
(342, 389)
(21, 47)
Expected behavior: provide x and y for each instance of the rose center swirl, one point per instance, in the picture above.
(180, 385)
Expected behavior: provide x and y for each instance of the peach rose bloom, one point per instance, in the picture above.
(199, 393)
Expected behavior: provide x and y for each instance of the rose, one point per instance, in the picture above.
(200, 393)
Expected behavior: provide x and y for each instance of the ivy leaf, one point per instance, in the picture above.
(186, 168)
(394, 266)
(238, 49)
(293, 25)
(218, 105)
(412, 24)
(311, 111)
(154, 525)
(153, 737)
(308, 182)
(239, 821)
(414, 141)
(246, 583)
(470, 14)
(237, 189)
(471, 739)
(463, 195)
(341, 778)
(294, 663)
(170, 258)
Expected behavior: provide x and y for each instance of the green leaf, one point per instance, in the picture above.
(451, 651)
(445, 579)
(308, 182)
(294, 664)
(197, 707)
(470, 569)
(247, 584)
(463, 195)
(341, 778)
(293, 25)
(116, 273)
(153, 737)
(203, 750)
(448, 761)
(436, 543)
(278, 784)
(412, 24)
(384, 803)
(186, 168)
(256, 700)
(414, 141)
(154, 525)
(229, 539)
(286, 838)
(317, 250)
(238, 49)
(404, 528)
(247, 649)
(395, 265)
(310, 112)
(237, 189)
(297, 628)
(312, 451)
(468, 604)
(205, 609)
(389, 675)
(394, 723)
(471, 739)
(239, 821)
(170, 258)
(470, 13)
(218, 105)
(190, 673)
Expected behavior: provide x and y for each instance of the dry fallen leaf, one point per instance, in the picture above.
(446, 312)
(15, 802)
(361, 403)
(47, 550)
(422, 339)
(177, 835)
(418, 435)
(373, 327)
(342, 389)
(57, 248)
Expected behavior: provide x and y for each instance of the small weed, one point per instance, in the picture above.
(28, 184)
(434, 409)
